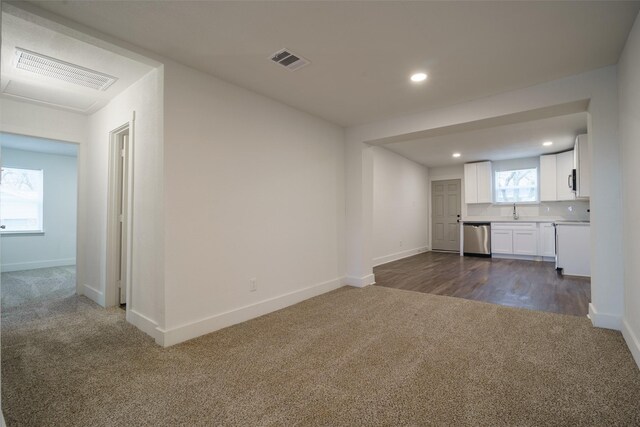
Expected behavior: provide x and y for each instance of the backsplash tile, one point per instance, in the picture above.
(572, 210)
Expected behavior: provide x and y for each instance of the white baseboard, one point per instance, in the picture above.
(93, 294)
(171, 336)
(360, 282)
(632, 341)
(32, 265)
(604, 320)
(398, 255)
(145, 324)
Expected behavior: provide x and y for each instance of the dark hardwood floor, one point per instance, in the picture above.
(515, 283)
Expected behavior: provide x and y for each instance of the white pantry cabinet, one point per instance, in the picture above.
(477, 183)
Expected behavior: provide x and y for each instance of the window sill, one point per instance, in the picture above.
(22, 233)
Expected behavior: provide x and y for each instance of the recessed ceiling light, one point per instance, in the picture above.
(418, 77)
(456, 154)
(547, 143)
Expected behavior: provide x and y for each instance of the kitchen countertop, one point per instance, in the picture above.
(523, 219)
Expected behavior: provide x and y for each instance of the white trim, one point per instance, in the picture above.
(604, 320)
(93, 294)
(168, 337)
(398, 255)
(145, 324)
(32, 265)
(632, 341)
(360, 282)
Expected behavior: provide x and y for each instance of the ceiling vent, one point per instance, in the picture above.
(289, 60)
(54, 68)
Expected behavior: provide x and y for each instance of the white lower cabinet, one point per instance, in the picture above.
(501, 241)
(547, 240)
(514, 238)
(525, 242)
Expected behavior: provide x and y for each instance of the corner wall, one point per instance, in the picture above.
(145, 97)
(253, 189)
(629, 115)
(400, 191)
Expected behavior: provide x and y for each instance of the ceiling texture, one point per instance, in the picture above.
(362, 53)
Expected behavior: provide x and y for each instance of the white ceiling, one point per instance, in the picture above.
(362, 53)
(32, 87)
(38, 145)
(511, 141)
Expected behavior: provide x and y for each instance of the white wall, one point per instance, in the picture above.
(597, 86)
(145, 97)
(253, 189)
(629, 114)
(57, 246)
(35, 120)
(400, 190)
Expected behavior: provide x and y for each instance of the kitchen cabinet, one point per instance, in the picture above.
(525, 242)
(564, 170)
(477, 183)
(501, 241)
(555, 170)
(582, 164)
(514, 238)
(547, 240)
(574, 248)
(548, 187)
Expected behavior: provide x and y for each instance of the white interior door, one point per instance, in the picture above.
(445, 213)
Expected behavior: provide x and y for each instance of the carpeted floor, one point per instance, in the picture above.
(373, 356)
(33, 288)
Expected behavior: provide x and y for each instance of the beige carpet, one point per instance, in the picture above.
(372, 356)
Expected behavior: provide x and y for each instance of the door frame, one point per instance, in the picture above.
(112, 292)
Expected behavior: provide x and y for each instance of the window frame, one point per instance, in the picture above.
(495, 187)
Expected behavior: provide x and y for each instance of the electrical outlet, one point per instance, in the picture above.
(253, 285)
(400, 243)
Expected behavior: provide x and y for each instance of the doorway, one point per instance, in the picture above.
(445, 215)
(38, 222)
(118, 222)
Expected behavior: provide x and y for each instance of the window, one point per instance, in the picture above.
(516, 186)
(21, 193)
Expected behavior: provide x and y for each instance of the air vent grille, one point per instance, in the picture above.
(291, 61)
(54, 68)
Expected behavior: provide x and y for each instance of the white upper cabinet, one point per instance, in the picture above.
(582, 163)
(564, 174)
(548, 188)
(556, 171)
(477, 183)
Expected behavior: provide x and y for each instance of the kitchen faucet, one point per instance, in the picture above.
(515, 214)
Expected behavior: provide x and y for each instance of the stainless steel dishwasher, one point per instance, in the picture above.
(477, 239)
